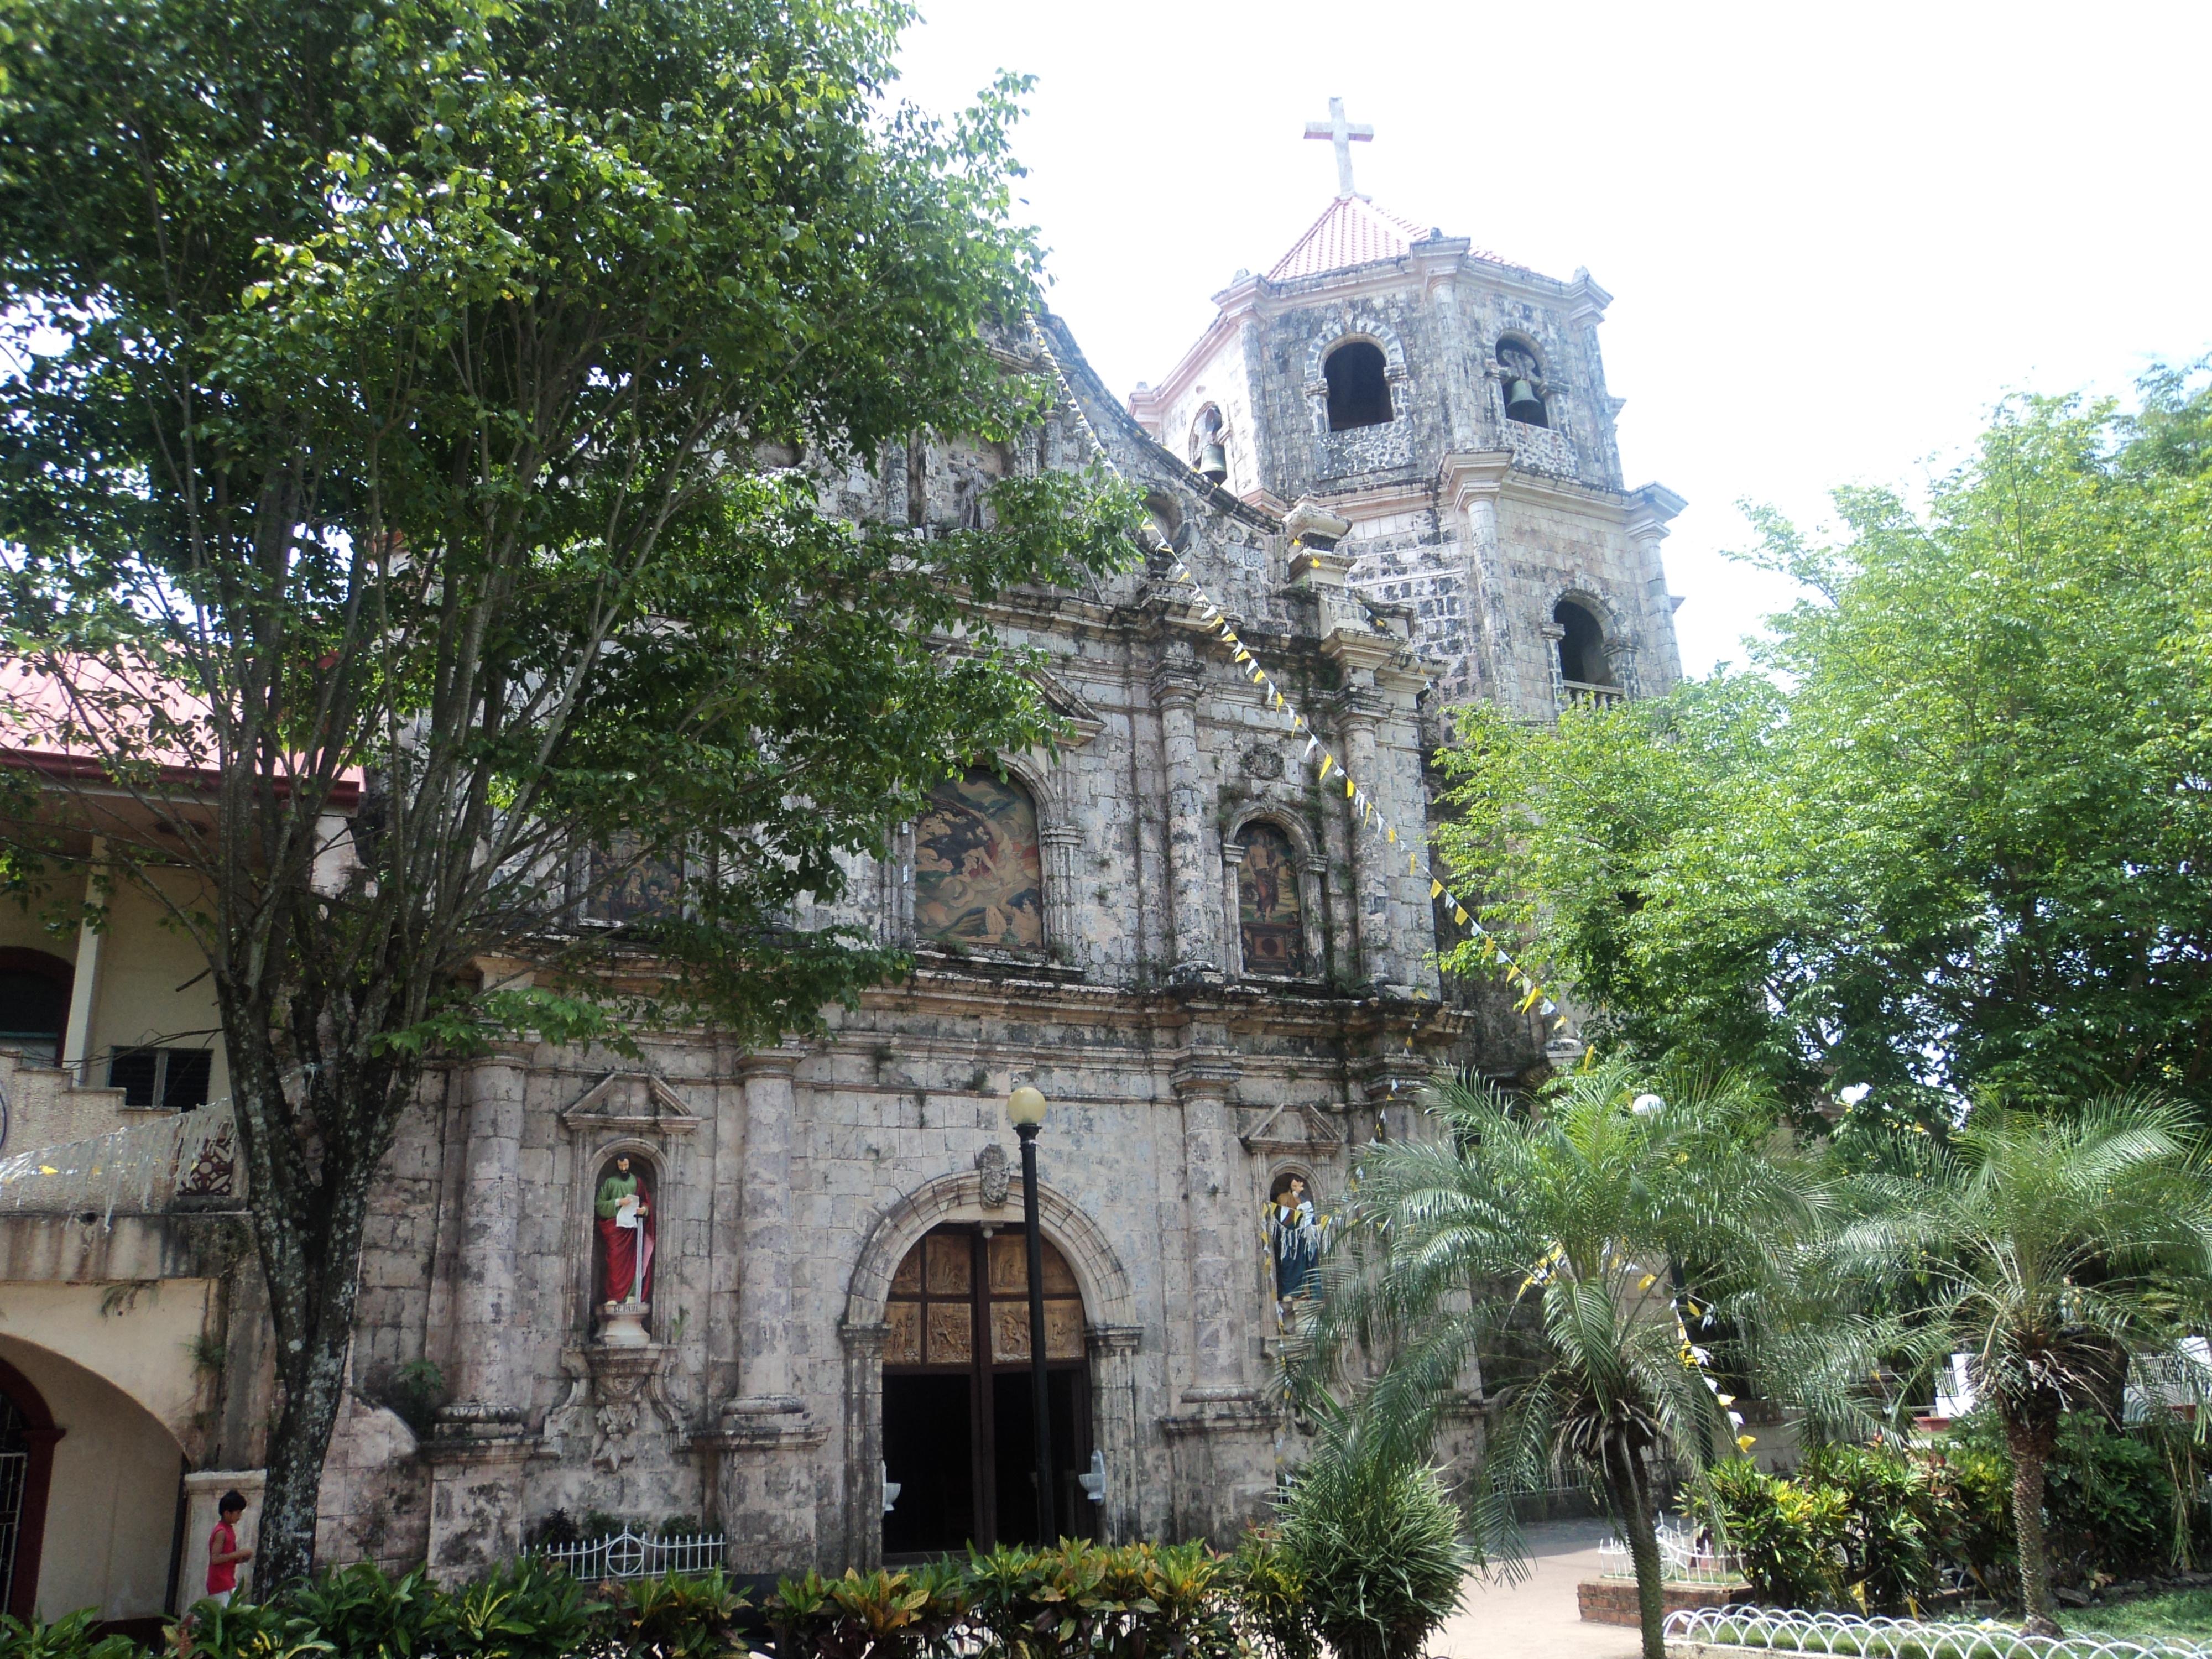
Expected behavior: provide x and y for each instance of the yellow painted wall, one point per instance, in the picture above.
(154, 986)
(112, 1512)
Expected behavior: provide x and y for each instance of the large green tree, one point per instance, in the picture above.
(405, 391)
(1953, 831)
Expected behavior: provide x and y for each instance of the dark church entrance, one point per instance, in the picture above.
(958, 1423)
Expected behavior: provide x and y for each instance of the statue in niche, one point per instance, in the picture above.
(1295, 1234)
(625, 1211)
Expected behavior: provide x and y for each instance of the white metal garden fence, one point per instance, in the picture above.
(626, 1554)
(1684, 1559)
(1789, 1630)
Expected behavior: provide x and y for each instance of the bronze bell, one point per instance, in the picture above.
(1213, 461)
(1521, 404)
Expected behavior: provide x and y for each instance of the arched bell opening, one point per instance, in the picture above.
(1521, 376)
(1358, 387)
(957, 1402)
(1582, 658)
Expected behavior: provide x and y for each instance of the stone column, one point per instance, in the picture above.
(1175, 690)
(1058, 843)
(764, 1228)
(1114, 1421)
(766, 1448)
(1656, 507)
(478, 1448)
(75, 1056)
(1215, 1257)
(1232, 921)
(1472, 480)
(863, 1543)
(487, 1311)
(1357, 714)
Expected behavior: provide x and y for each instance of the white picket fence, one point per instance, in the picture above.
(1788, 1630)
(626, 1554)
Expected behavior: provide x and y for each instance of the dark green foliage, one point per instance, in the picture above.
(68, 1637)
(362, 1611)
(1375, 1539)
(1974, 1514)
(2108, 1495)
(1949, 835)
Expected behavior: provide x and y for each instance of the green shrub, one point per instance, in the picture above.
(675, 1616)
(1790, 1538)
(1080, 1599)
(1273, 1615)
(1375, 1540)
(1972, 1487)
(881, 1615)
(68, 1637)
(1888, 1540)
(522, 1611)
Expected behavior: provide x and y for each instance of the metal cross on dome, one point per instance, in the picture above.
(1344, 135)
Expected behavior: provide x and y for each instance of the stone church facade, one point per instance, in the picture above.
(1391, 460)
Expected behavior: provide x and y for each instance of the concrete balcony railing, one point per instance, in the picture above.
(1580, 693)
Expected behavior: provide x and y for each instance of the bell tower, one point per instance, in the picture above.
(1452, 406)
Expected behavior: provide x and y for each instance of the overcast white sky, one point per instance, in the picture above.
(1835, 235)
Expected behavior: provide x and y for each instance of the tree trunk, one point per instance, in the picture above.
(308, 1217)
(1629, 1483)
(2030, 1443)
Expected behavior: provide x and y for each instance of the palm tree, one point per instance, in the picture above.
(2053, 1248)
(1596, 1231)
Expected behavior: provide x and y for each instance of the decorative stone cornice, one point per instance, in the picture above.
(781, 1060)
(1202, 1075)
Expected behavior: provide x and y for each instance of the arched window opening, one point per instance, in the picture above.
(1358, 389)
(1581, 647)
(1268, 914)
(1523, 374)
(34, 1001)
(978, 877)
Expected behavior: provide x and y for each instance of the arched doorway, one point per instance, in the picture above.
(27, 1466)
(958, 1421)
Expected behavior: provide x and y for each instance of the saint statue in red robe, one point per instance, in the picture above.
(626, 1232)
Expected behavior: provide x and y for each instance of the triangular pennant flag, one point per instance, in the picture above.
(1312, 743)
(1327, 759)
(1413, 867)
(1393, 833)
(1436, 888)
(1348, 786)
(1181, 574)
(1459, 915)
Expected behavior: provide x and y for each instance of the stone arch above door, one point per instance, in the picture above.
(1108, 1300)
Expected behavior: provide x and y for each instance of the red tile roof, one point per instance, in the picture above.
(1351, 231)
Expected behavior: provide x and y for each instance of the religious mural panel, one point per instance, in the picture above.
(1272, 930)
(978, 879)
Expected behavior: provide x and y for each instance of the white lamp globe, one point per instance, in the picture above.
(1647, 1106)
(1025, 1107)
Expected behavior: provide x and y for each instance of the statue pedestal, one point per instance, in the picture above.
(621, 1325)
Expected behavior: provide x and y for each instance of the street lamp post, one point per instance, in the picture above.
(1026, 1106)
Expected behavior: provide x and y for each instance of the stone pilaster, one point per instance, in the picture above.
(488, 1313)
(1472, 481)
(1233, 922)
(862, 1545)
(1654, 507)
(764, 1235)
(1357, 714)
(1175, 692)
(1214, 1258)
(1117, 1434)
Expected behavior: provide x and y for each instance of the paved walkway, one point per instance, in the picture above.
(1536, 1616)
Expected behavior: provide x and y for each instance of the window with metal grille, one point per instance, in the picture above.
(176, 1078)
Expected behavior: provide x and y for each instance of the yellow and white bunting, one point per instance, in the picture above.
(1533, 993)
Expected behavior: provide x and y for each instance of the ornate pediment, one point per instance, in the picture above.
(1080, 721)
(635, 1101)
(1292, 1129)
